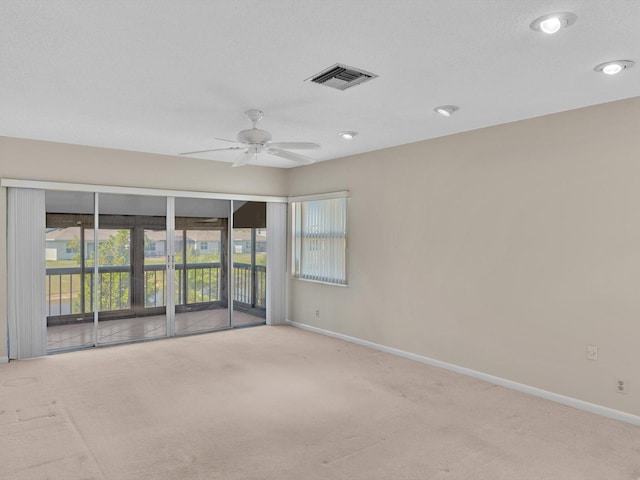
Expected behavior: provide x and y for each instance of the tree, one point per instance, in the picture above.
(115, 284)
(74, 246)
(115, 250)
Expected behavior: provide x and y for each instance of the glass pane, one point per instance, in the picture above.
(63, 271)
(179, 274)
(114, 269)
(249, 263)
(242, 262)
(155, 271)
(261, 268)
(69, 321)
(131, 268)
(201, 265)
(89, 257)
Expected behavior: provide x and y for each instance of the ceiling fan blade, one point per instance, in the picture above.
(244, 158)
(226, 140)
(295, 157)
(295, 145)
(211, 150)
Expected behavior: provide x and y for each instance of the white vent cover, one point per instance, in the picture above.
(341, 77)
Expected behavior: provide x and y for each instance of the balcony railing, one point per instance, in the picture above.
(66, 294)
(250, 286)
(198, 283)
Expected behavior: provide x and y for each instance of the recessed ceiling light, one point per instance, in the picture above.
(612, 68)
(553, 23)
(446, 110)
(348, 135)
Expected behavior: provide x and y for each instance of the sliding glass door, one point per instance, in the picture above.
(69, 269)
(125, 267)
(200, 250)
(249, 260)
(132, 258)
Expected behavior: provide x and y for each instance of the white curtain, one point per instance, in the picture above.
(26, 273)
(276, 263)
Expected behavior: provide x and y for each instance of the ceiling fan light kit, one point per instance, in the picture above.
(257, 141)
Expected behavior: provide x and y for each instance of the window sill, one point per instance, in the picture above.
(344, 285)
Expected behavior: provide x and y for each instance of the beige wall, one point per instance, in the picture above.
(34, 160)
(505, 250)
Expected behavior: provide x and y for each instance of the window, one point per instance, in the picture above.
(204, 246)
(319, 239)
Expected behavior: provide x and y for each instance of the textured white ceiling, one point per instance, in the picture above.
(168, 76)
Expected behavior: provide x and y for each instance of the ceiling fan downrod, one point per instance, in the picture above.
(254, 116)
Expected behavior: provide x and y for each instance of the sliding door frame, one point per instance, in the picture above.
(92, 188)
(170, 284)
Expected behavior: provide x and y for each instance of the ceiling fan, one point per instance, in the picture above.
(258, 141)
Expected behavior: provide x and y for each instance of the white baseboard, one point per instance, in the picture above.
(503, 382)
(4, 359)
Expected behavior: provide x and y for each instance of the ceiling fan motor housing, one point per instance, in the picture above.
(254, 136)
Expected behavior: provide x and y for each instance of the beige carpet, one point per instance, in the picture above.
(282, 403)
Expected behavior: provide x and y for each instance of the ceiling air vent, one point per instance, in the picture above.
(342, 77)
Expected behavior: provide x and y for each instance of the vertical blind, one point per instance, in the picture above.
(26, 271)
(276, 262)
(319, 240)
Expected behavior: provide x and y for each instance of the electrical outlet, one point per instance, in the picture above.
(592, 352)
(317, 313)
(621, 385)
